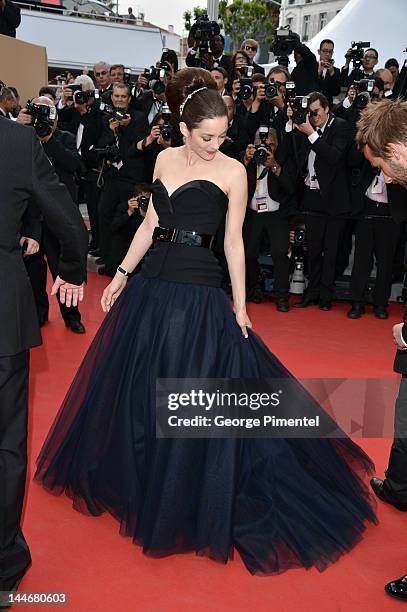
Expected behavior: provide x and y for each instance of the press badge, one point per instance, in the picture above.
(261, 203)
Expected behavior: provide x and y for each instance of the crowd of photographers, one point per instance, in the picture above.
(310, 189)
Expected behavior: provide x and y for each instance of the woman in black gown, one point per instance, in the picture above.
(281, 503)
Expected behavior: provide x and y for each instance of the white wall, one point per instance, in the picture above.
(300, 8)
(73, 42)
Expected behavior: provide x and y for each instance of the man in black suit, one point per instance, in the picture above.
(26, 173)
(305, 73)
(10, 18)
(382, 136)
(320, 146)
(149, 103)
(236, 138)
(60, 148)
(366, 71)
(209, 60)
(269, 111)
(329, 77)
(7, 102)
(129, 138)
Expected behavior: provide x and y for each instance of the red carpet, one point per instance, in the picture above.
(100, 570)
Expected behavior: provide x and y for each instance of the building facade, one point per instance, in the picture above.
(308, 17)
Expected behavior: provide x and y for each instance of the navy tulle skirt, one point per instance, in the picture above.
(281, 503)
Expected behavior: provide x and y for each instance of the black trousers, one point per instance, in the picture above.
(396, 473)
(378, 237)
(324, 233)
(277, 230)
(113, 192)
(14, 552)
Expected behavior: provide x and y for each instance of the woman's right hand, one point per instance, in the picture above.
(243, 321)
(112, 291)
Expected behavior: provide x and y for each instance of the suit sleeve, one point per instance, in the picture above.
(64, 153)
(333, 153)
(32, 222)
(60, 213)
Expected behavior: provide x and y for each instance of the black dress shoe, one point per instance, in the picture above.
(282, 305)
(380, 492)
(305, 302)
(397, 588)
(356, 311)
(256, 296)
(325, 305)
(76, 326)
(380, 312)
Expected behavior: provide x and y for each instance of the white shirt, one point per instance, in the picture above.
(311, 160)
(261, 201)
(155, 108)
(377, 190)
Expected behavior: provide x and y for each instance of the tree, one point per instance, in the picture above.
(255, 19)
(197, 11)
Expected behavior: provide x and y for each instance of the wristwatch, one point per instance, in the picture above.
(122, 271)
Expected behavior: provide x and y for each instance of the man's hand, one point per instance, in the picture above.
(114, 124)
(32, 245)
(248, 156)
(68, 294)
(126, 121)
(398, 337)
(23, 117)
(142, 81)
(67, 96)
(277, 101)
(132, 205)
(306, 128)
(207, 61)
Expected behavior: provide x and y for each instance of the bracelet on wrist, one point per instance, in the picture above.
(122, 271)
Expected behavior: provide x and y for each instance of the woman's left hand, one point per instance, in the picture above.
(243, 321)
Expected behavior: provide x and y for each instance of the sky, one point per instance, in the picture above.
(162, 12)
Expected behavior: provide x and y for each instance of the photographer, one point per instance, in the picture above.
(210, 44)
(358, 96)
(329, 77)
(101, 72)
(152, 100)
(126, 221)
(270, 203)
(7, 103)
(83, 120)
(251, 47)
(123, 139)
(221, 77)
(10, 18)
(268, 107)
(363, 68)
(60, 148)
(319, 143)
(236, 138)
(160, 138)
(116, 73)
(379, 209)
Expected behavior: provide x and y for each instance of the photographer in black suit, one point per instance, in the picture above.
(271, 200)
(379, 208)
(382, 136)
(320, 144)
(329, 77)
(237, 137)
(124, 140)
(25, 173)
(60, 148)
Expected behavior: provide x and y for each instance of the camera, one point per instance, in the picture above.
(289, 91)
(271, 90)
(246, 85)
(81, 97)
(203, 31)
(154, 77)
(357, 52)
(262, 149)
(165, 128)
(118, 114)
(364, 92)
(283, 45)
(300, 237)
(110, 154)
(143, 202)
(43, 117)
(299, 105)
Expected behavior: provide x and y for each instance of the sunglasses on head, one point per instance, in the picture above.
(250, 48)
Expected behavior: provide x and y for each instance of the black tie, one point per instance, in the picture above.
(319, 132)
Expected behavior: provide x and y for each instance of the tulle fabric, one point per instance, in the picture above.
(281, 503)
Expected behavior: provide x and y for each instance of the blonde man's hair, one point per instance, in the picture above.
(380, 124)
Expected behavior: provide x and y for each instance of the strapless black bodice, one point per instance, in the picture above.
(200, 206)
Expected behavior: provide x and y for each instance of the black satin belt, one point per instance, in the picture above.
(180, 236)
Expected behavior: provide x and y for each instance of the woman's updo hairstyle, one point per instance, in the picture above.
(204, 104)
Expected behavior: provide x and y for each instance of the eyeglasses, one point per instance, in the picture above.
(370, 57)
(249, 48)
(103, 73)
